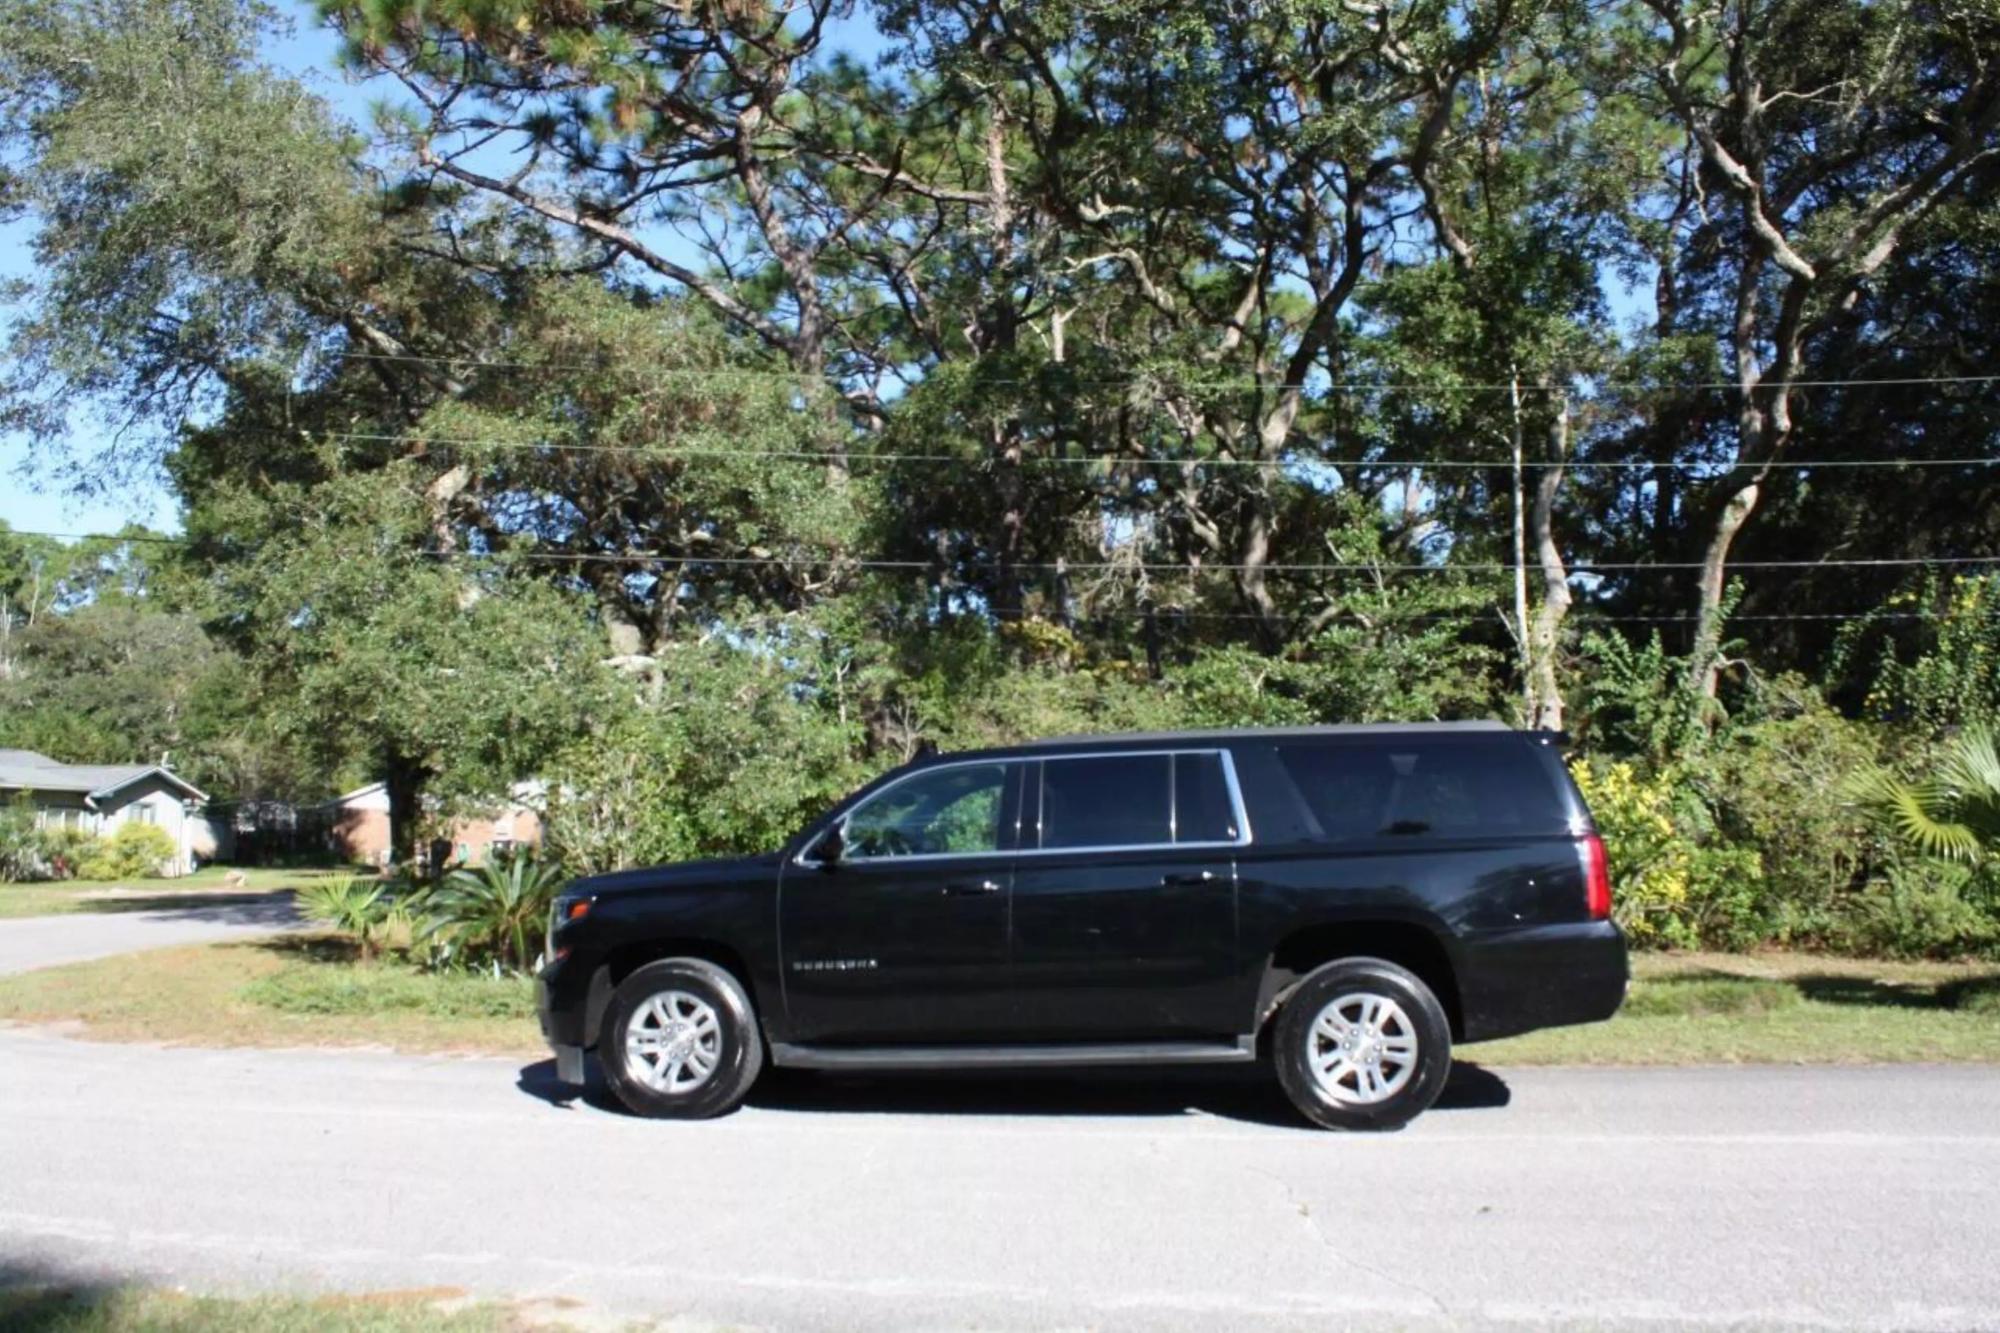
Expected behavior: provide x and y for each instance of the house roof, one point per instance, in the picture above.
(32, 771)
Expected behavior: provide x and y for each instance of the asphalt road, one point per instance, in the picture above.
(1755, 1197)
(30, 942)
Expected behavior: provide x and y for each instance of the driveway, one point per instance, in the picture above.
(29, 942)
(1757, 1196)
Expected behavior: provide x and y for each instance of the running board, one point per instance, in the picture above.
(1241, 1050)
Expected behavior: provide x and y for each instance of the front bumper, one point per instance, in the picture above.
(1542, 977)
(563, 1015)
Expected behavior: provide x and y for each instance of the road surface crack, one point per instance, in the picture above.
(1304, 1211)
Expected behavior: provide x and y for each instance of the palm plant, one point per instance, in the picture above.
(361, 908)
(497, 911)
(1954, 813)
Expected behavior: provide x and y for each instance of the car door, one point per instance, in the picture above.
(1125, 897)
(903, 937)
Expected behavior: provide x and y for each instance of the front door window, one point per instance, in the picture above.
(951, 811)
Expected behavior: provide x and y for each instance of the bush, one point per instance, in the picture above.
(496, 914)
(1774, 784)
(135, 851)
(20, 845)
(358, 908)
(1670, 888)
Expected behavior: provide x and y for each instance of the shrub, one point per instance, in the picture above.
(20, 845)
(1774, 784)
(355, 907)
(497, 913)
(135, 851)
(1670, 888)
(66, 849)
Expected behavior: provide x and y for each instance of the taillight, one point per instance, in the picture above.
(1596, 878)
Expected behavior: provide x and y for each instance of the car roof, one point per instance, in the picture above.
(1122, 740)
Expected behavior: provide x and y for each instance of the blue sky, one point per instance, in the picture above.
(31, 496)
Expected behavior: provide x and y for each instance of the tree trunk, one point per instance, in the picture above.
(404, 780)
(1704, 662)
(1545, 709)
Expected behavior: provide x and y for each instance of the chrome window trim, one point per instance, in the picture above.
(1021, 763)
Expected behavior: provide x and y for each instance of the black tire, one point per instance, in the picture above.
(1296, 1045)
(737, 1054)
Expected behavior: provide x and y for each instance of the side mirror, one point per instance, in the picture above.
(827, 852)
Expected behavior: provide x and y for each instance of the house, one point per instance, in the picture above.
(358, 827)
(101, 797)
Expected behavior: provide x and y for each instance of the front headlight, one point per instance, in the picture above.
(567, 907)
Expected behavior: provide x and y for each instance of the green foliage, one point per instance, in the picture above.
(736, 751)
(1950, 676)
(1672, 884)
(355, 907)
(496, 914)
(133, 851)
(1952, 814)
(1637, 701)
(20, 843)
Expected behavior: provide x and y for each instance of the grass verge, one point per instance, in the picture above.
(1683, 1009)
(1778, 1009)
(65, 1309)
(55, 898)
(302, 990)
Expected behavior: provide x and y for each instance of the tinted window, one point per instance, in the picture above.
(1116, 801)
(1422, 787)
(1202, 809)
(951, 810)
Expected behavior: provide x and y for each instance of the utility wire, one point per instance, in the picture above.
(1577, 567)
(1247, 382)
(1093, 460)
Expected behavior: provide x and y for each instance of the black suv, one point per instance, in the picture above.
(1344, 901)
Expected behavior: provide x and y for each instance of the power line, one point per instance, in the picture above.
(1246, 382)
(1575, 568)
(1108, 460)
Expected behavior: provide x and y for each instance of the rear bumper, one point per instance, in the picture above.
(1546, 976)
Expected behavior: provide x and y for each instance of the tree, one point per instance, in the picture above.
(1819, 137)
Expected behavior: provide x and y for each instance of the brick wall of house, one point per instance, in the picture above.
(362, 836)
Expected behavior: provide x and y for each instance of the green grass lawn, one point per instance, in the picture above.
(66, 1309)
(1778, 1008)
(133, 895)
(1683, 1008)
(293, 990)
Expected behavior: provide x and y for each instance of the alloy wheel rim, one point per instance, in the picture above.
(1362, 1049)
(673, 1043)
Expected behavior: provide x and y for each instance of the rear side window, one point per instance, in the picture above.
(1425, 788)
(1203, 811)
(1111, 801)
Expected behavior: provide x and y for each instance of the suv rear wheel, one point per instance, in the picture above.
(680, 1040)
(1362, 1044)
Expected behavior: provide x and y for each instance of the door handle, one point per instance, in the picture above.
(970, 890)
(1179, 881)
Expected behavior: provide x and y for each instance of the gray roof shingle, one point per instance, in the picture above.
(27, 769)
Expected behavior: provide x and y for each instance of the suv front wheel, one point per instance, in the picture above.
(1362, 1044)
(680, 1040)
